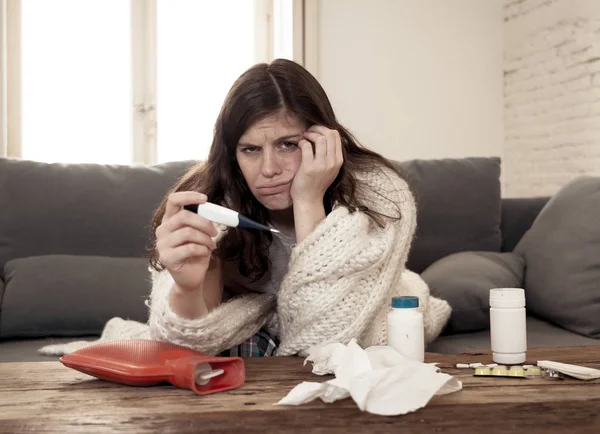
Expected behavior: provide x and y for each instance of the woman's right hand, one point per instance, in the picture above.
(183, 240)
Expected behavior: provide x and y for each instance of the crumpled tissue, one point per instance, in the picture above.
(379, 379)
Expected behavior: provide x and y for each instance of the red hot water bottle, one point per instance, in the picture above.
(141, 362)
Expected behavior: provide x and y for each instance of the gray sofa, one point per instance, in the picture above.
(74, 240)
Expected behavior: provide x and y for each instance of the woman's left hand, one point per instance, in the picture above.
(318, 169)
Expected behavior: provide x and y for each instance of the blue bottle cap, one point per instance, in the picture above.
(405, 302)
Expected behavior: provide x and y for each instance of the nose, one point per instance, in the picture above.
(270, 165)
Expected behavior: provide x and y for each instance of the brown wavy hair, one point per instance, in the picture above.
(261, 91)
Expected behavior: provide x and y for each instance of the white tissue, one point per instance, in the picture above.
(379, 379)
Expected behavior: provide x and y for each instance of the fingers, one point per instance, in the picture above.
(180, 198)
(320, 129)
(307, 151)
(322, 145)
(314, 137)
(339, 153)
(186, 235)
(175, 217)
(183, 236)
(328, 144)
(186, 218)
(180, 254)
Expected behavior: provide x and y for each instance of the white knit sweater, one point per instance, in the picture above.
(339, 284)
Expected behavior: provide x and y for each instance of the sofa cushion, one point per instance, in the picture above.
(459, 207)
(79, 209)
(26, 350)
(539, 334)
(464, 280)
(62, 295)
(562, 256)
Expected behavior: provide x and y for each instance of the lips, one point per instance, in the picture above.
(273, 189)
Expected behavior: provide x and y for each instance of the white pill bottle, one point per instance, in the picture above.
(405, 328)
(508, 329)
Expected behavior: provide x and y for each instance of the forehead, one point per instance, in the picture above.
(272, 127)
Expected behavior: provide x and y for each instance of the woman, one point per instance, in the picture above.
(347, 218)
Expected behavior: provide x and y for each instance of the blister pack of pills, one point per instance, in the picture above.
(509, 372)
(544, 368)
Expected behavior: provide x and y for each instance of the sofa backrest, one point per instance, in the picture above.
(79, 209)
(518, 215)
(458, 207)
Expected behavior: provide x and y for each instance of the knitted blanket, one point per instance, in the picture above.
(339, 285)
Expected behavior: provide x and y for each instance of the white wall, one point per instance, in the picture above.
(552, 93)
(415, 78)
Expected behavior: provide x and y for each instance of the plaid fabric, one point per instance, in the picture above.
(259, 345)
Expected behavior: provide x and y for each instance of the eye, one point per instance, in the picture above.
(288, 145)
(249, 149)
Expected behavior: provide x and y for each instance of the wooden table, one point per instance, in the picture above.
(47, 397)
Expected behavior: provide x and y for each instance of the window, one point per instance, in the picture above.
(75, 81)
(202, 48)
(115, 81)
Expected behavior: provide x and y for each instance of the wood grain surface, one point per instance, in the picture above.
(48, 397)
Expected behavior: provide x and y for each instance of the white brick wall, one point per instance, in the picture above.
(552, 94)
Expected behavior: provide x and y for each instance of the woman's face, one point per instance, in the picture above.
(269, 158)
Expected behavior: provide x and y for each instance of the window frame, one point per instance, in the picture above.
(144, 64)
(10, 78)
